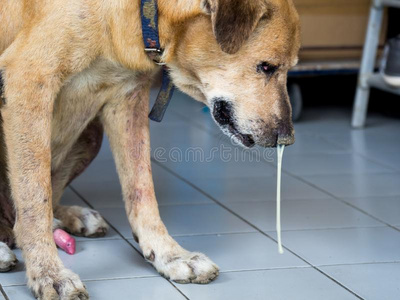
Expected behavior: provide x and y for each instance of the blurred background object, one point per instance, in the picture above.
(333, 36)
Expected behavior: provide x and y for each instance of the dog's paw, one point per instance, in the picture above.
(185, 267)
(81, 221)
(63, 285)
(7, 258)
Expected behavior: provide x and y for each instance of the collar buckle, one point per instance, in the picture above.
(155, 55)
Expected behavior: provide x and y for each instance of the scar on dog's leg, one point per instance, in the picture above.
(27, 120)
(127, 127)
(80, 221)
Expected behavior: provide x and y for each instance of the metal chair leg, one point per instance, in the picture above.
(367, 65)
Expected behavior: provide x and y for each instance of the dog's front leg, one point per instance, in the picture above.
(127, 126)
(29, 95)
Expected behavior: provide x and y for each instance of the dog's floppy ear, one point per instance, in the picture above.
(233, 20)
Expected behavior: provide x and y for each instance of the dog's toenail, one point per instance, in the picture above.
(151, 257)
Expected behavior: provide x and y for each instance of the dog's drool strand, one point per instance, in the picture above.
(280, 149)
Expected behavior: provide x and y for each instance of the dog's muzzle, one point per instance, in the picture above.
(281, 133)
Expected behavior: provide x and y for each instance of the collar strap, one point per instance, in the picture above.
(151, 40)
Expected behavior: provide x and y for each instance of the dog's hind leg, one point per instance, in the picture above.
(80, 221)
(7, 211)
(7, 214)
(7, 258)
(127, 127)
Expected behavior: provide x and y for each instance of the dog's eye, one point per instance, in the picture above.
(266, 68)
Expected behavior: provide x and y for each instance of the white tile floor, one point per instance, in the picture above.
(341, 213)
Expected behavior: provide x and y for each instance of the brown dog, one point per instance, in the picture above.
(71, 68)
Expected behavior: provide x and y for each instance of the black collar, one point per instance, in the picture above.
(151, 40)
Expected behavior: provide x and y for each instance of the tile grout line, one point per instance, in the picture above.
(267, 231)
(94, 280)
(255, 227)
(3, 292)
(311, 267)
(125, 239)
(363, 263)
(370, 197)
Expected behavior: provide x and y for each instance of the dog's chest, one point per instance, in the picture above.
(83, 96)
(101, 77)
(85, 93)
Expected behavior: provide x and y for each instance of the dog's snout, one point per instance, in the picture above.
(286, 140)
(285, 134)
(222, 112)
(281, 133)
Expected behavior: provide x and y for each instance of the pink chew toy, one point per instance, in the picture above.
(64, 241)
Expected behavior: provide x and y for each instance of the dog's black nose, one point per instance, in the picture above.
(285, 133)
(222, 112)
(280, 134)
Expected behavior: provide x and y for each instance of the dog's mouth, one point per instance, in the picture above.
(223, 115)
(246, 139)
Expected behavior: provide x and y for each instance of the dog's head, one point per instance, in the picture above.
(235, 57)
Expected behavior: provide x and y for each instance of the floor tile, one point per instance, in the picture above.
(169, 191)
(99, 171)
(390, 158)
(299, 284)
(330, 163)
(192, 112)
(257, 189)
(105, 150)
(93, 260)
(328, 121)
(370, 281)
(238, 252)
(358, 185)
(69, 198)
(139, 288)
(365, 141)
(104, 194)
(181, 139)
(386, 209)
(303, 214)
(184, 220)
(345, 246)
(310, 143)
(219, 167)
